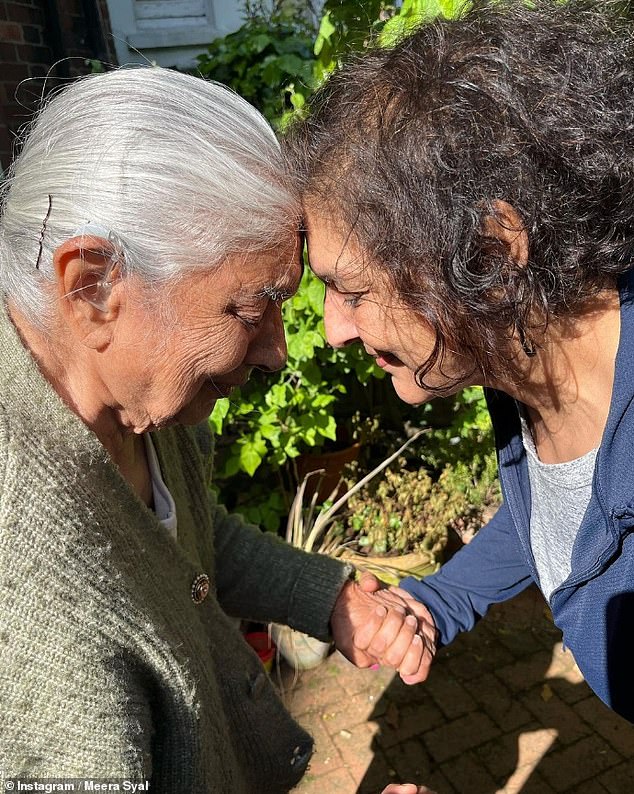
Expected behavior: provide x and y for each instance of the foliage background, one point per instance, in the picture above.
(326, 397)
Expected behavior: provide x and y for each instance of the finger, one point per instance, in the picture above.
(368, 582)
(429, 634)
(386, 635)
(416, 663)
(398, 591)
(395, 654)
(406, 788)
(412, 657)
(391, 601)
(412, 604)
(421, 672)
(364, 636)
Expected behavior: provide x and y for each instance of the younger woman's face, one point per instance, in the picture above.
(361, 306)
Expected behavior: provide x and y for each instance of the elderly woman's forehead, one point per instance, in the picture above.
(274, 273)
(284, 280)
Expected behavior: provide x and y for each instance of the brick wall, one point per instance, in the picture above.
(50, 41)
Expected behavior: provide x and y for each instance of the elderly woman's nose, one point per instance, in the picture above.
(340, 329)
(268, 350)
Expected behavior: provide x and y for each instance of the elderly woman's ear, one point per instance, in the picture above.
(89, 288)
(504, 224)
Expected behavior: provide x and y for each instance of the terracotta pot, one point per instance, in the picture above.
(299, 650)
(333, 464)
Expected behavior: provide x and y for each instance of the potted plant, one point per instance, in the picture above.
(315, 528)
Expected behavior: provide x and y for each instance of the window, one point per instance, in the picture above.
(169, 32)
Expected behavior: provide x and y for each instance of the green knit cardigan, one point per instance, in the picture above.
(108, 668)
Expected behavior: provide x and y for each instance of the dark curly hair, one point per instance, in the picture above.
(411, 147)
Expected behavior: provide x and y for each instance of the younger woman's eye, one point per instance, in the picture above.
(350, 299)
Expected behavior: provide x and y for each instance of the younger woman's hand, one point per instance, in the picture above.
(406, 788)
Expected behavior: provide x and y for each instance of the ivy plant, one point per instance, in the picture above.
(268, 60)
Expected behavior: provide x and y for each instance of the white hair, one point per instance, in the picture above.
(177, 171)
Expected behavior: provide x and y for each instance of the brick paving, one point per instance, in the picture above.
(504, 711)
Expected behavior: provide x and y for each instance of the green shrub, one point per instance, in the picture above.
(268, 60)
(408, 510)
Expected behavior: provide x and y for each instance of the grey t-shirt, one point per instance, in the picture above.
(560, 493)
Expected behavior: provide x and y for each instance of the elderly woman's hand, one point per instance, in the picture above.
(385, 640)
(371, 623)
(355, 610)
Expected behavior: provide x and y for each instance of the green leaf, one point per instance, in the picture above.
(232, 464)
(297, 99)
(329, 429)
(260, 42)
(272, 71)
(250, 459)
(269, 432)
(326, 29)
(452, 9)
(322, 400)
(220, 411)
(290, 63)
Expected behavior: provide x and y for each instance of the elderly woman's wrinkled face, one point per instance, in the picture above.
(171, 364)
(361, 306)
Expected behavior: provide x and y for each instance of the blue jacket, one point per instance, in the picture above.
(594, 607)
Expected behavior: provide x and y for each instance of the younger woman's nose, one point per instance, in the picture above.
(340, 327)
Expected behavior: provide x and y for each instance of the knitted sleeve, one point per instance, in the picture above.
(260, 577)
(3, 448)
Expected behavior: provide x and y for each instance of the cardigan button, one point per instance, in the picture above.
(301, 756)
(200, 588)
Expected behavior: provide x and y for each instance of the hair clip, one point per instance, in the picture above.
(43, 231)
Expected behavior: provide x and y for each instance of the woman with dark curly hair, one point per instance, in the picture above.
(468, 200)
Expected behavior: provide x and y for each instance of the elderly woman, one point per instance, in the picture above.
(468, 198)
(147, 239)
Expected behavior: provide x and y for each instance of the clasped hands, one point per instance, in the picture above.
(372, 623)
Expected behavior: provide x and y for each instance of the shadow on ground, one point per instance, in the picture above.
(505, 710)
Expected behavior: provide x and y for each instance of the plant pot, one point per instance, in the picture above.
(263, 645)
(299, 650)
(332, 463)
(392, 569)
